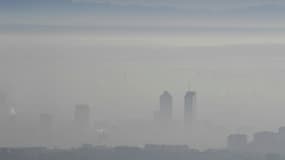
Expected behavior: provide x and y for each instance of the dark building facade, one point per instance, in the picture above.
(166, 103)
(189, 107)
(82, 116)
(237, 142)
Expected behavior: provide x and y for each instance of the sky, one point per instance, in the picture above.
(120, 55)
(192, 4)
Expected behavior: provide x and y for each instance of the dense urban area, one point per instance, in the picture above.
(148, 152)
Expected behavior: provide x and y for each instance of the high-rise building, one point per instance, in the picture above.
(82, 116)
(237, 142)
(12, 118)
(4, 109)
(273, 156)
(189, 107)
(165, 106)
(281, 131)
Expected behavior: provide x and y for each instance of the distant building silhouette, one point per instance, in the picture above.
(237, 142)
(46, 122)
(281, 131)
(281, 137)
(264, 138)
(263, 142)
(166, 148)
(272, 156)
(189, 106)
(149, 152)
(12, 119)
(4, 107)
(45, 129)
(165, 107)
(82, 116)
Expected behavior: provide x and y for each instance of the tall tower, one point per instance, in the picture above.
(189, 107)
(165, 106)
(82, 116)
(45, 129)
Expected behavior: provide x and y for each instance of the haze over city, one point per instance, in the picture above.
(116, 58)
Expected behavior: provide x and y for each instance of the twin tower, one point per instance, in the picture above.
(166, 107)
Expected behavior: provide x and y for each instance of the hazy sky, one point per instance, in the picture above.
(118, 62)
(191, 3)
(117, 79)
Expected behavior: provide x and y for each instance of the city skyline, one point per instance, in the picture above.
(151, 74)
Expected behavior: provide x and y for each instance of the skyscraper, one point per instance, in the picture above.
(189, 107)
(165, 106)
(82, 116)
(45, 129)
